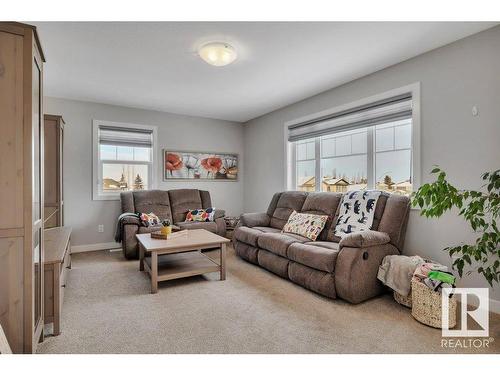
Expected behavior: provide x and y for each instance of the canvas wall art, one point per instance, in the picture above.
(199, 166)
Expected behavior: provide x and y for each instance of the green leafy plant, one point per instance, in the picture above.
(481, 209)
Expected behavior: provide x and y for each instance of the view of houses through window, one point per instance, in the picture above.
(124, 168)
(375, 157)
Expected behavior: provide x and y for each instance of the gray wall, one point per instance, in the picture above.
(174, 131)
(453, 79)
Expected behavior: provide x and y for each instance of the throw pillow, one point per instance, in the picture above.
(201, 214)
(148, 219)
(305, 225)
(357, 210)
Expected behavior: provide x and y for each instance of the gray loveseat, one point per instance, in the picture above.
(172, 205)
(345, 268)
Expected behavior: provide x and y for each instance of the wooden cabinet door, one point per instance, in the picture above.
(37, 272)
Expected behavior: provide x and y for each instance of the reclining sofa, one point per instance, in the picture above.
(172, 205)
(333, 267)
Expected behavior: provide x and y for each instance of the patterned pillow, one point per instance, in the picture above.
(357, 210)
(201, 214)
(306, 225)
(148, 219)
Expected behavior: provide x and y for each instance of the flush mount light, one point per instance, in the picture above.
(217, 53)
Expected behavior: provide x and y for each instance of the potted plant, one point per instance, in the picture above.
(481, 209)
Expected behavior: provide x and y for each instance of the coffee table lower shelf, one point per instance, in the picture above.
(175, 266)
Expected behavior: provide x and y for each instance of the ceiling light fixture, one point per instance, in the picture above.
(217, 53)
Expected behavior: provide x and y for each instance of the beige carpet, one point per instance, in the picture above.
(108, 309)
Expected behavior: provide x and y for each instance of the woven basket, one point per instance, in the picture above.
(402, 300)
(426, 306)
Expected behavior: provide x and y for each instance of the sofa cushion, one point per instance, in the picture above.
(211, 226)
(183, 200)
(247, 235)
(325, 244)
(250, 235)
(155, 201)
(379, 211)
(278, 243)
(268, 229)
(317, 281)
(286, 204)
(273, 263)
(148, 219)
(357, 212)
(317, 257)
(247, 252)
(322, 203)
(307, 225)
(201, 214)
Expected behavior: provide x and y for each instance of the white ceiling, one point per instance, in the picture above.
(155, 66)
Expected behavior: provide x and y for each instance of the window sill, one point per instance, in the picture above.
(106, 197)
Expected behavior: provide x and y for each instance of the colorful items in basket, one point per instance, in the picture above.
(434, 276)
(400, 272)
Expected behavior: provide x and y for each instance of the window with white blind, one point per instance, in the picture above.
(372, 144)
(124, 158)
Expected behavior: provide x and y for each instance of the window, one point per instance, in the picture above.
(123, 158)
(306, 164)
(371, 146)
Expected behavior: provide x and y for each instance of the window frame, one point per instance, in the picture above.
(97, 165)
(415, 173)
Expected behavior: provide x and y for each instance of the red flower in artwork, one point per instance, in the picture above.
(212, 164)
(173, 162)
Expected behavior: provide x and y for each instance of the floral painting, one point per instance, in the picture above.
(199, 165)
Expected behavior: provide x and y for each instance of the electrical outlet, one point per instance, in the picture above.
(100, 228)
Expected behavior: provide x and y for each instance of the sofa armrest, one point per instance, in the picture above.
(128, 220)
(221, 226)
(356, 271)
(364, 239)
(219, 213)
(256, 219)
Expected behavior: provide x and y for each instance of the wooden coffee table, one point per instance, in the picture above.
(180, 257)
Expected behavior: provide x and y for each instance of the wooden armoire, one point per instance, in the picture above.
(21, 186)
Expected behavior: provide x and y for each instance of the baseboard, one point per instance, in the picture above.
(95, 247)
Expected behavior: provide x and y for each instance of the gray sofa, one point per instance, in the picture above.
(172, 205)
(333, 267)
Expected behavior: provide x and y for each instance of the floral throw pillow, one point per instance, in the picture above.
(305, 225)
(148, 219)
(201, 214)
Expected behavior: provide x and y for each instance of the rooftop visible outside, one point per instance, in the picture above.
(344, 160)
(117, 174)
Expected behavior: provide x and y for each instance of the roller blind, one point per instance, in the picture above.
(116, 136)
(392, 109)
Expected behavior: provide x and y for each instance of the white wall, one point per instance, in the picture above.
(174, 131)
(453, 79)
